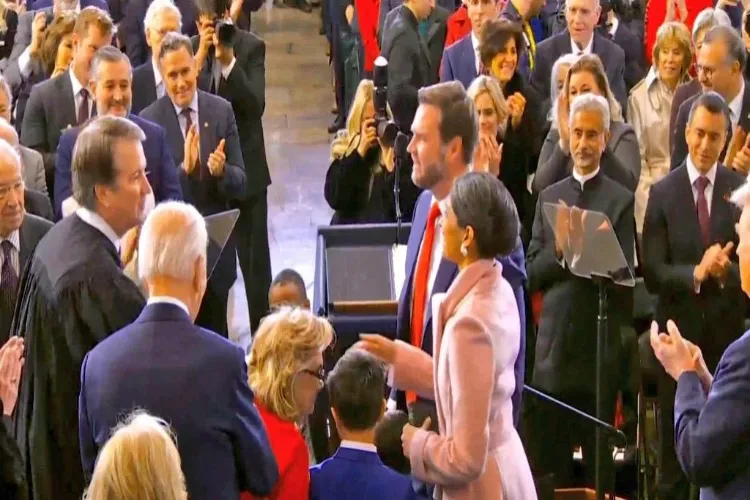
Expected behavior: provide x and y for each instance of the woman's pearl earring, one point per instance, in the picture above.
(464, 251)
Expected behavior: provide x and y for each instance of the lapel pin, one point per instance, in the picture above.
(205, 124)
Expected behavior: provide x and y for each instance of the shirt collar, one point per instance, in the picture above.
(586, 50)
(96, 221)
(583, 179)
(15, 239)
(76, 84)
(165, 299)
(442, 204)
(613, 29)
(355, 445)
(157, 73)
(193, 105)
(475, 42)
(693, 173)
(735, 105)
(651, 77)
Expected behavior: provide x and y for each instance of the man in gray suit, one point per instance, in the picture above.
(32, 162)
(19, 234)
(64, 101)
(202, 134)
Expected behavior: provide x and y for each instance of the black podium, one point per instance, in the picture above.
(356, 289)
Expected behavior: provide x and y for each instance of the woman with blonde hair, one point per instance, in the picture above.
(650, 106)
(286, 373)
(140, 461)
(360, 180)
(8, 27)
(621, 160)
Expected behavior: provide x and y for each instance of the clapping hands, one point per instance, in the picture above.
(11, 364)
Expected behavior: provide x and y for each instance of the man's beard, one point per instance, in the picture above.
(432, 174)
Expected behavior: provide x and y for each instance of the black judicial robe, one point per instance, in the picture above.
(72, 296)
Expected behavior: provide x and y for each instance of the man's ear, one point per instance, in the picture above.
(383, 408)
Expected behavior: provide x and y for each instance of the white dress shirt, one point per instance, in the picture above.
(586, 50)
(735, 106)
(693, 174)
(355, 445)
(165, 299)
(475, 46)
(95, 220)
(15, 256)
(77, 92)
(158, 81)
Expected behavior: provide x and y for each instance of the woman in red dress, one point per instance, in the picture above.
(286, 373)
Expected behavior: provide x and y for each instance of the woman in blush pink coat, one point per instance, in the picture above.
(476, 336)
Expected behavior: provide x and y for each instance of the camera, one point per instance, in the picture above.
(386, 128)
(225, 30)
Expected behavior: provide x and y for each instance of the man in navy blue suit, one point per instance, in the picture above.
(461, 60)
(192, 378)
(355, 388)
(111, 86)
(445, 133)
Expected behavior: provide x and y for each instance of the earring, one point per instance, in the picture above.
(464, 250)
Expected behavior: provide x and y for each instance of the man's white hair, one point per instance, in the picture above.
(173, 237)
(156, 7)
(708, 18)
(741, 195)
(8, 154)
(590, 102)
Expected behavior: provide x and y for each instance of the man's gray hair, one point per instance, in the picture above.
(173, 42)
(4, 87)
(9, 154)
(590, 102)
(157, 7)
(109, 54)
(735, 46)
(741, 195)
(708, 18)
(93, 161)
(173, 238)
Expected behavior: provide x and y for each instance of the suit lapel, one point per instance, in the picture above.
(68, 105)
(26, 243)
(172, 127)
(151, 80)
(744, 120)
(469, 58)
(207, 136)
(685, 198)
(721, 209)
(445, 275)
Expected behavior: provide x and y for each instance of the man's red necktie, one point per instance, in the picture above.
(421, 278)
(704, 221)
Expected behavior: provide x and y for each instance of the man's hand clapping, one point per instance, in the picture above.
(217, 160)
(192, 143)
(715, 262)
(11, 363)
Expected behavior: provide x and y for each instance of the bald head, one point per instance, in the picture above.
(11, 190)
(8, 133)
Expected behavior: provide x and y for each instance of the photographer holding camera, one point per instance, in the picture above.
(360, 181)
(231, 64)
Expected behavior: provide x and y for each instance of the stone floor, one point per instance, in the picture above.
(298, 104)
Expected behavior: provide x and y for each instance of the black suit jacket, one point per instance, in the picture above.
(566, 339)
(144, 87)
(32, 230)
(245, 89)
(679, 146)
(672, 247)
(635, 70)
(413, 61)
(550, 50)
(49, 111)
(682, 94)
(38, 204)
(210, 194)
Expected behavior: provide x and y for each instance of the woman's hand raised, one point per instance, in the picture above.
(368, 137)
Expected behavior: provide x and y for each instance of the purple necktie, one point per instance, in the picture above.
(8, 276)
(701, 183)
(83, 107)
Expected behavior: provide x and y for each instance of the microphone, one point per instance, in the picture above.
(399, 152)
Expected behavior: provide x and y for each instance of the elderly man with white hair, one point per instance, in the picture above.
(162, 17)
(566, 342)
(191, 377)
(712, 413)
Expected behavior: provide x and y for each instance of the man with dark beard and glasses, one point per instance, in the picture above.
(111, 86)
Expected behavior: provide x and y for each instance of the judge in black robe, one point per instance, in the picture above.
(72, 296)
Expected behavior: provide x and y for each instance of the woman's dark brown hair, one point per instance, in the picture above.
(495, 34)
(61, 27)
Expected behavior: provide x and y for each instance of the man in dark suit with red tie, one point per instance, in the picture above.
(445, 133)
(688, 238)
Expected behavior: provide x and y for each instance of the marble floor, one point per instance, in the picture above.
(298, 104)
